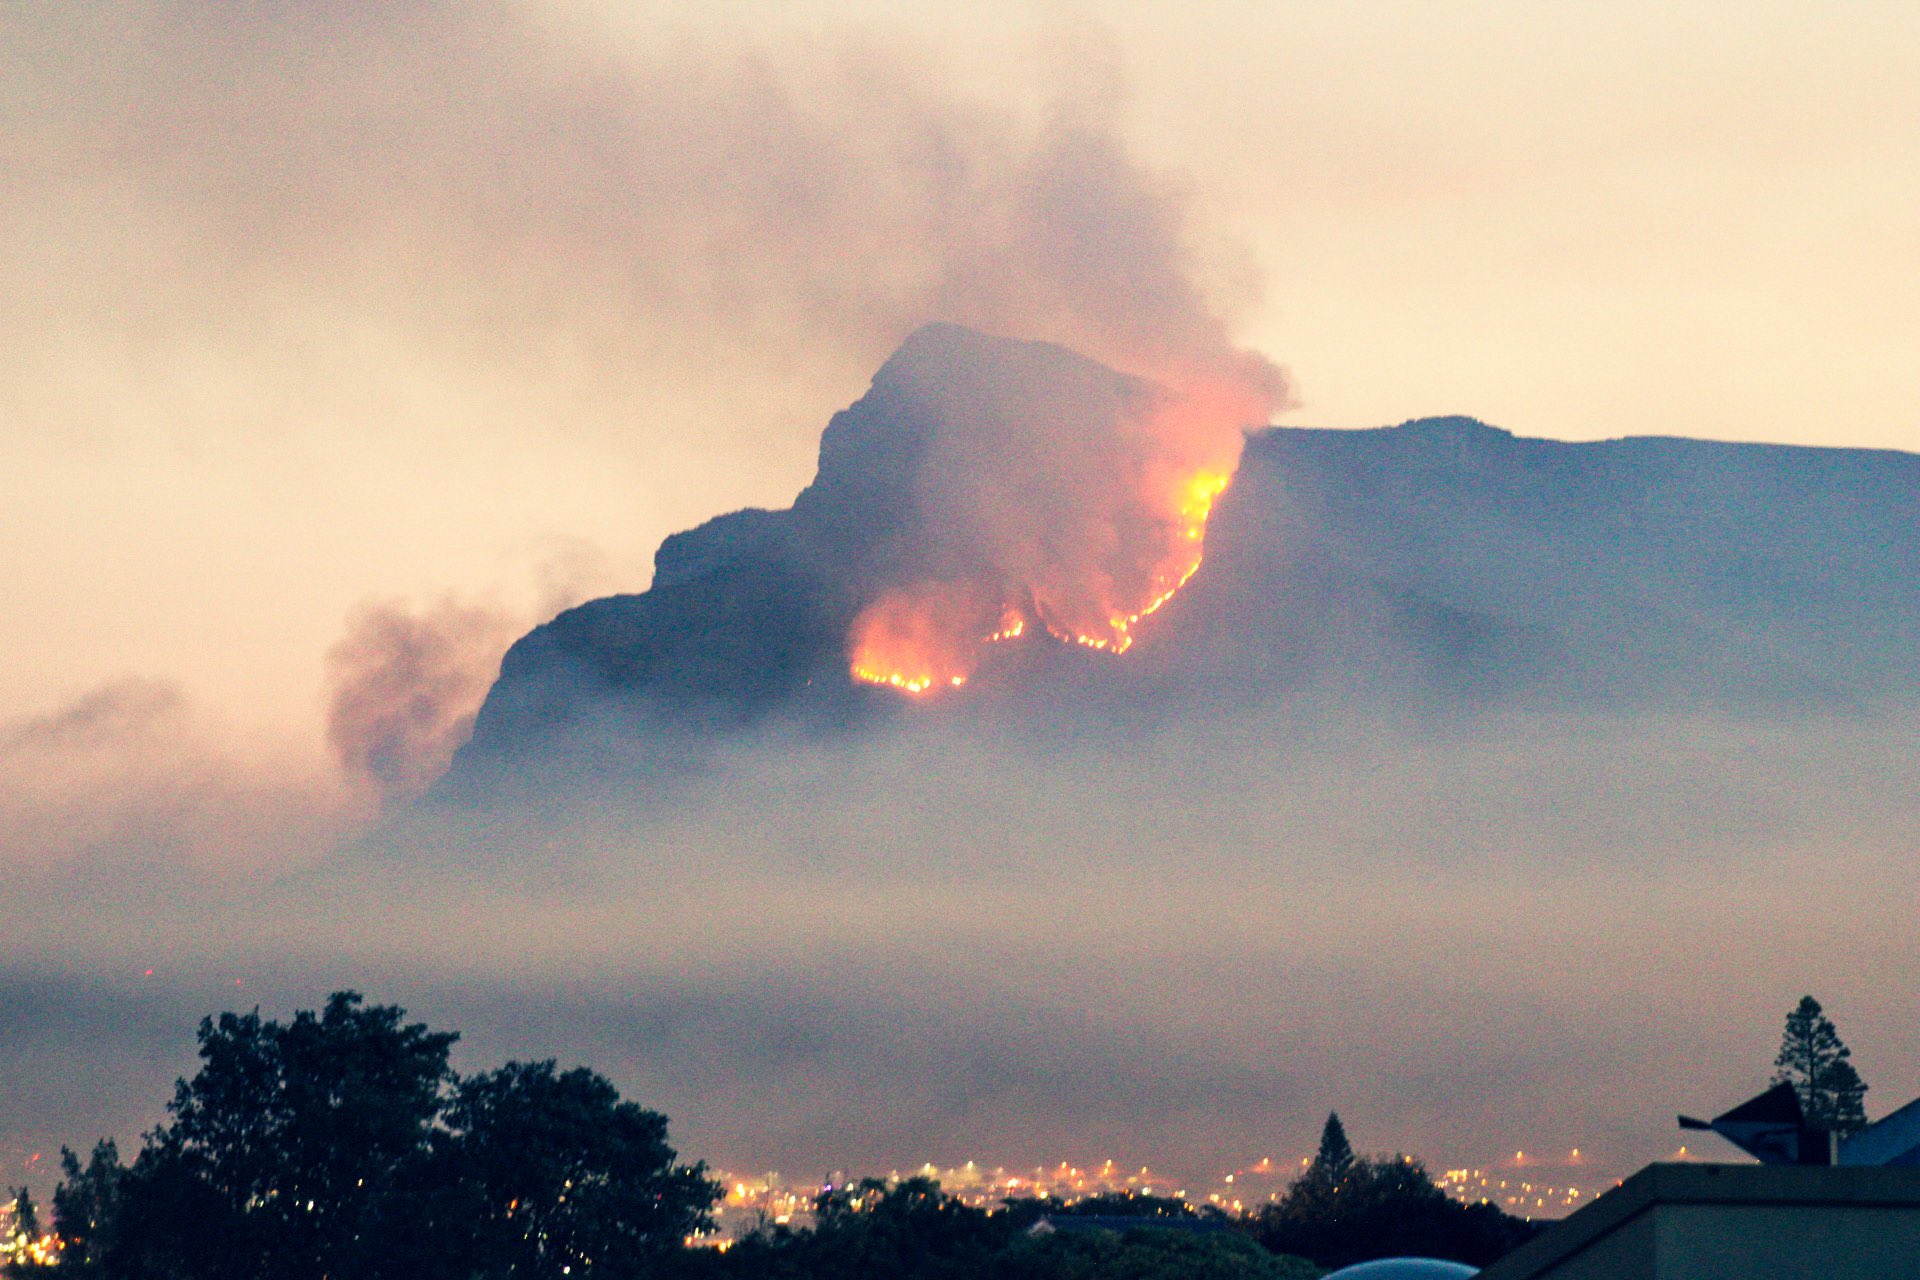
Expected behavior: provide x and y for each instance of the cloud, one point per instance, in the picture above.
(132, 708)
(136, 777)
(135, 774)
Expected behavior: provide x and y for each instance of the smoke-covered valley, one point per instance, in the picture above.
(1178, 943)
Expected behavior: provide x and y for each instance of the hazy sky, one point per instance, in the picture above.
(345, 340)
(305, 311)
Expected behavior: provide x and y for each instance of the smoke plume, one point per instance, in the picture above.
(512, 196)
(135, 773)
(499, 223)
(405, 688)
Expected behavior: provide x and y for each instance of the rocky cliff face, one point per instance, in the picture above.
(1443, 561)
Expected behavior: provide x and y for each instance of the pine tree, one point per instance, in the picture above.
(1814, 1060)
(86, 1209)
(1317, 1190)
(1336, 1153)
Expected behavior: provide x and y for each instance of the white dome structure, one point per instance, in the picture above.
(1404, 1269)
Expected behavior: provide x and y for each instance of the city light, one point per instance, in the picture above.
(17, 1249)
(755, 1200)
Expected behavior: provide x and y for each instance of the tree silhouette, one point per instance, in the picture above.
(25, 1231)
(1815, 1061)
(1319, 1186)
(912, 1230)
(26, 1218)
(1345, 1208)
(289, 1149)
(1144, 1254)
(340, 1146)
(1336, 1153)
(557, 1176)
(86, 1209)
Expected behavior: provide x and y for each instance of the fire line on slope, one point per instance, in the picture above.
(930, 636)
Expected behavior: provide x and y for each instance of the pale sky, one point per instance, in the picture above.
(285, 336)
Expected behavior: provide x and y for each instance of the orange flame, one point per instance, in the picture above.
(1114, 634)
(1013, 625)
(1080, 528)
(930, 636)
(922, 639)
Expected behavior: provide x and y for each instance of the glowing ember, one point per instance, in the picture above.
(1012, 626)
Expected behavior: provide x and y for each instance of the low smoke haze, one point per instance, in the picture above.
(347, 345)
(1180, 946)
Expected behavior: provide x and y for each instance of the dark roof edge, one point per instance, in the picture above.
(1690, 1183)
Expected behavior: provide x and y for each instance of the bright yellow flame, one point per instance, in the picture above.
(1012, 626)
(1194, 504)
(917, 640)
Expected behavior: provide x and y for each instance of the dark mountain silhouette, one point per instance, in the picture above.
(1439, 563)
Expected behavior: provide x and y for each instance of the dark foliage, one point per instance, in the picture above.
(1145, 1253)
(1816, 1062)
(552, 1175)
(297, 1151)
(1382, 1208)
(1024, 1212)
(1336, 1153)
(909, 1229)
(340, 1146)
(85, 1209)
(26, 1217)
(24, 1230)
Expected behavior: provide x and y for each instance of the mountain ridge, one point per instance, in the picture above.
(1440, 557)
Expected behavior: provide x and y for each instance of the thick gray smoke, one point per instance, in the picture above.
(1053, 493)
